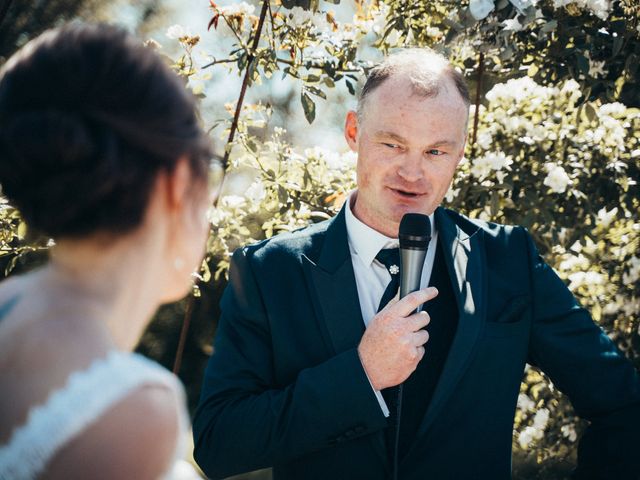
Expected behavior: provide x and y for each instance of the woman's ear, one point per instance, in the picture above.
(178, 182)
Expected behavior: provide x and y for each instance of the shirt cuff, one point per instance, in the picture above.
(378, 393)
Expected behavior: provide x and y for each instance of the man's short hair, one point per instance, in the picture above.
(423, 67)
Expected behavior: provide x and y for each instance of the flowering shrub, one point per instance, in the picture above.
(568, 172)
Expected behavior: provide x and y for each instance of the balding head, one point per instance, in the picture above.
(427, 73)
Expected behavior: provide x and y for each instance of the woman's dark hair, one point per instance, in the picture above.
(88, 117)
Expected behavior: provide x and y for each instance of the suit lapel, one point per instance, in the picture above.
(333, 286)
(335, 300)
(464, 256)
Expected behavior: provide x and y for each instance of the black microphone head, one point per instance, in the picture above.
(415, 231)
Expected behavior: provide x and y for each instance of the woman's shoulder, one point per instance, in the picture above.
(136, 437)
(122, 414)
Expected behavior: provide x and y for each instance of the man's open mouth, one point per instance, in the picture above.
(406, 193)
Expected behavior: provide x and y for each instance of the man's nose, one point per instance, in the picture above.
(411, 167)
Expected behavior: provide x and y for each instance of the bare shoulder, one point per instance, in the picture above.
(136, 438)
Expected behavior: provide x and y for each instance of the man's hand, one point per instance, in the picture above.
(392, 345)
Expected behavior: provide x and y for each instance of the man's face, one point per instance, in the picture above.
(408, 149)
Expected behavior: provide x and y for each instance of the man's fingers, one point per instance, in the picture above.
(405, 306)
(420, 338)
(418, 320)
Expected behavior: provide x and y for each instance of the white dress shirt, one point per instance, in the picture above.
(372, 276)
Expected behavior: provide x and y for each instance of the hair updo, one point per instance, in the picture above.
(88, 117)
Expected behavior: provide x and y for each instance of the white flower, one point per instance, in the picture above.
(479, 9)
(525, 403)
(569, 431)
(176, 32)
(491, 161)
(484, 140)
(522, 5)
(557, 179)
(596, 69)
(331, 158)
(570, 86)
(241, 8)
(233, 201)
(517, 90)
(299, 18)
(573, 262)
(512, 24)
(586, 279)
(599, 8)
(527, 436)
(605, 218)
(613, 109)
(540, 419)
(433, 32)
(451, 194)
(256, 192)
(633, 275)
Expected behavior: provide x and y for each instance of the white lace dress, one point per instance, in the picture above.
(69, 410)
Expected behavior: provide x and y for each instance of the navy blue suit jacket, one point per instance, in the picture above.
(285, 387)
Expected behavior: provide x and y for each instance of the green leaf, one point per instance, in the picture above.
(316, 91)
(22, 230)
(582, 63)
(549, 26)
(352, 90)
(617, 44)
(590, 112)
(308, 106)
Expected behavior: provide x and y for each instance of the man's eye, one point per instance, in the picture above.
(391, 145)
(435, 152)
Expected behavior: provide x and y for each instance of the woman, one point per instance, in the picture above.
(100, 149)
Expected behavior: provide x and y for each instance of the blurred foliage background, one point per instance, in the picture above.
(554, 145)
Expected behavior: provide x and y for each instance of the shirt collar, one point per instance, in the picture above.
(364, 240)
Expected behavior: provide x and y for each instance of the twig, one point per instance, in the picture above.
(191, 300)
(245, 82)
(476, 116)
(183, 335)
(216, 62)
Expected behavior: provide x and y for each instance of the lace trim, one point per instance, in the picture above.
(68, 410)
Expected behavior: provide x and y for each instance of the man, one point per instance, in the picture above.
(296, 382)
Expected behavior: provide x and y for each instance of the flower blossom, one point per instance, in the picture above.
(479, 9)
(600, 8)
(237, 9)
(512, 24)
(605, 218)
(569, 431)
(525, 403)
(176, 32)
(586, 279)
(633, 275)
(492, 161)
(557, 179)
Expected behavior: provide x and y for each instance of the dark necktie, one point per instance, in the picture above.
(390, 258)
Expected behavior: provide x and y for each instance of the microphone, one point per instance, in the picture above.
(414, 235)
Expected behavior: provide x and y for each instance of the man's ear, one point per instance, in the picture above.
(351, 130)
(461, 154)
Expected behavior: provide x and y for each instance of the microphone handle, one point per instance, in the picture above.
(411, 262)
